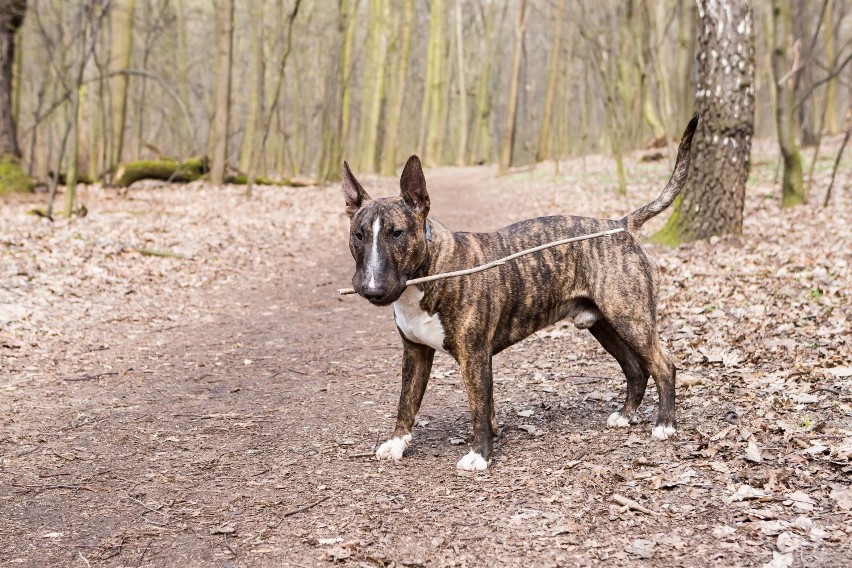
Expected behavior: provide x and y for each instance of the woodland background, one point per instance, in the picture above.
(283, 89)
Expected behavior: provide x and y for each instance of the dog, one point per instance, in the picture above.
(607, 285)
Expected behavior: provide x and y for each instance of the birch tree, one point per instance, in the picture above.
(712, 200)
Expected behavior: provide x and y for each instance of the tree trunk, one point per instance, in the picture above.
(684, 60)
(183, 65)
(461, 155)
(514, 89)
(12, 176)
(374, 87)
(803, 30)
(224, 57)
(437, 86)
(712, 201)
(397, 95)
(332, 121)
(480, 148)
(831, 117)
(348, 9)
(121, 48)
(254, 95)
(793, 187)
(254, 122)
(544, 133)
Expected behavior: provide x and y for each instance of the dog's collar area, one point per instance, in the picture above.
(428, 232)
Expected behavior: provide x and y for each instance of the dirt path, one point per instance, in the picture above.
(185, 418)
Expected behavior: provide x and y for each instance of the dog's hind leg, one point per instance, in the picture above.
(634, 370)
(641, 337)
(416, 366)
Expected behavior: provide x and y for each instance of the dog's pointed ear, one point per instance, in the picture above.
(353, 192)
(412, 184)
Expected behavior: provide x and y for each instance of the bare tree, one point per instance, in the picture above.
(12, 176)
(514, 88)
(221, 117)
(783, 70)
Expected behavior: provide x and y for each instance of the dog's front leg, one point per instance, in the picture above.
(476, 374)
(416, 366)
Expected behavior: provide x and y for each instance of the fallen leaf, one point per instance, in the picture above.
(803, 397)
(745, 492)
(788, 542)
(642, 548)
(335, 554)
(779, 560)
(800, 500)
(841, 372)
(843, 498)
(753, 452)
(723, 531)
(224, 529)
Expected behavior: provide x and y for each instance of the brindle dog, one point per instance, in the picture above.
(607, 285)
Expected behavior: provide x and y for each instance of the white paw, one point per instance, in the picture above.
(662, 432)
(393, 448)
(616, 420)
(472, 462)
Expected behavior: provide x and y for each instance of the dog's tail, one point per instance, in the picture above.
(681, 172)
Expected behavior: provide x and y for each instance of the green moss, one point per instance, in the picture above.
(166, 170)
(242, 179)
(671, 235)
(793, 188)
(13, 178)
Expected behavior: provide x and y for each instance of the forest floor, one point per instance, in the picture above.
(182, 386)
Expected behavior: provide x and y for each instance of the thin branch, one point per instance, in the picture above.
(498, 262)
(631, 504)
(837, 163)
(837, 71)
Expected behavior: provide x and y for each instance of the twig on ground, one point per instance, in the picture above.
(128, 497)
(83, 558)
(631, 504)
(305, 508)
(228, 546)
(162, 254)
(90, 377)
(141, 556)
(48, 487)
(499, 261)
(299, 510)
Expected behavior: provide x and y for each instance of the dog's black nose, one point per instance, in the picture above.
(374, 294)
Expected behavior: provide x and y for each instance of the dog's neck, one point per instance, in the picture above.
(439, 247)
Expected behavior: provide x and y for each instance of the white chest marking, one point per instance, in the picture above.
(373, 264)
(417, 325)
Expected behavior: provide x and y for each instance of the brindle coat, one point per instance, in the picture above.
(608, 285)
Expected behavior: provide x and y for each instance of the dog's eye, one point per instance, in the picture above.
(397, 233)
(359, 235)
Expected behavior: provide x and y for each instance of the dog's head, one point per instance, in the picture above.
(387, 237)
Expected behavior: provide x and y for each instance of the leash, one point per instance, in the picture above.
(498, 262)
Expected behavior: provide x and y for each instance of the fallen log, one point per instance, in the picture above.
(166, 170)
(187, 171)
